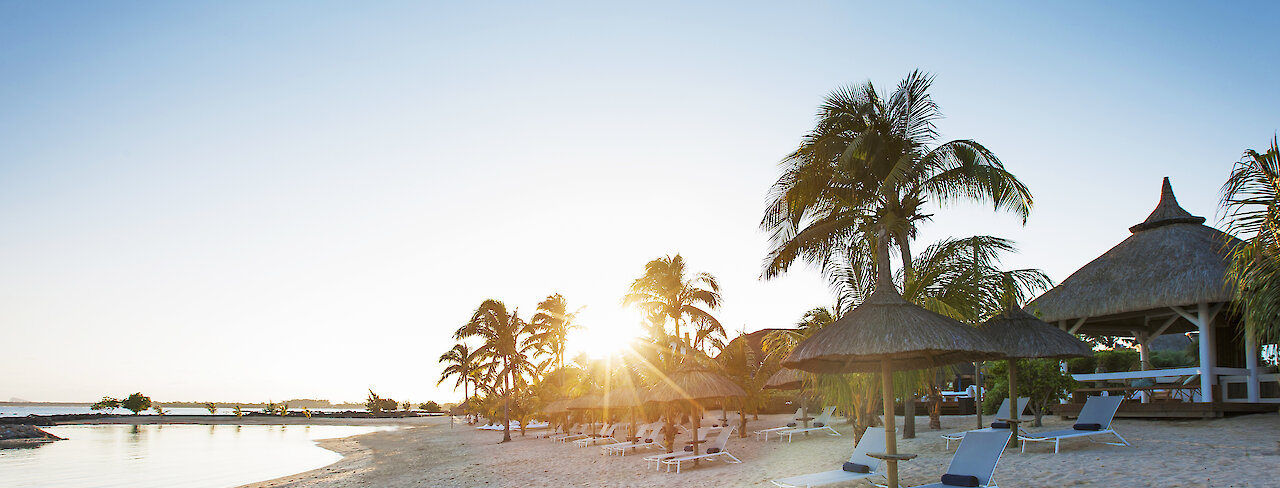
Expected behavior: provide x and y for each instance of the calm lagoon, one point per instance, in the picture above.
(171, 455)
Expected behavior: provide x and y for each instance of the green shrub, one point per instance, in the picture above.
(1117, 360)
(1042, 380)
(1173, 359)
(136, 403)
(1085, 365)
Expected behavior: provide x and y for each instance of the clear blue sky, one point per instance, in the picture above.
(266, 200)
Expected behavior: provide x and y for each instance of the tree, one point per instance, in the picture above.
(861, 179)
(211, 407)
(551, 326)
(431, 407)
(136, 403)
(158, 409)
(505, 344)
(106, 403)
(739, 362)
(664, 290)
(1041, 380)
(238, 411)
(376, 404)
(462, 362)
(1251, 202)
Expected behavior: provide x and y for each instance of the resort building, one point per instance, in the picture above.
(1168, 277)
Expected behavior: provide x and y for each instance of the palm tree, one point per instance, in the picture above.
(664, 290)
(861, 178)
(461, 362)
(1251, 200)
(504, 335)
(552, 324)
(740, 363)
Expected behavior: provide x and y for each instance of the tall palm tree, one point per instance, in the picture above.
(861, 179)
(664, 289)
(552, 324)
(504, 334)
(1251, 202)
(463, 363)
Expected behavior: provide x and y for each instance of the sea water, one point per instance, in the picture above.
(170, 455)
(23, 411)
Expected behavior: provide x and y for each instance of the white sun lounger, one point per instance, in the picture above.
(822, 422)
(657, 459)
(977, 457)
(1001, 413)
(789, 426)
(605, 435)
(577, 428)
(645, 435)
(581, 434)
(1098, 411)
(872, 441)
(715, 451)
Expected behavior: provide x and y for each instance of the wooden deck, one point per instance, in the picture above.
(1173, 409)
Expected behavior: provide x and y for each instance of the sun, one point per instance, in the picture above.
(602, 334)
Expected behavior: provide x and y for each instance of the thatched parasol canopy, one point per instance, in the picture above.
(1019, 334)
(786, 379)
(887, 327)
(1172, 259)
(556, 407)
(586, 402)
(694, 384)
(624, 397)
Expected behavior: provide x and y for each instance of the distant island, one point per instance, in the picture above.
(293, 403)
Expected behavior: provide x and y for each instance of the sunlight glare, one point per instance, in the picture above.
(603, 332)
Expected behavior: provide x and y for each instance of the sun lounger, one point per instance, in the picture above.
(605, 435)
(1001, 413)
(872, 441)
(715, 451)
(1095, 419)
(579, 433)
(975, 460)
(645, 435)
(822, 422)
(789, 426)
(657, 459)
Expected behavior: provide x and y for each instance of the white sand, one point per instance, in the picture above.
(1240, 451)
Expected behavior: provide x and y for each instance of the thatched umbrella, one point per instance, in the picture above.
(628, 398)
(590, 401)
(1019, 334)
(887, 333)
(555, 408)
(690, 385)
(790, 379)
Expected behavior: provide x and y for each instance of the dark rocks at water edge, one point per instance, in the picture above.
(21, 435)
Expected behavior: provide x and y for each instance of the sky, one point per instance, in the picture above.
(252, 201)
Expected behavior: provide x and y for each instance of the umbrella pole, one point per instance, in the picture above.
(1013, 400)
(977, 380)
(697, 423)
(804, 414)
(890, 434)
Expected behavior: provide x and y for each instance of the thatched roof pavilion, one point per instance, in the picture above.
(1168, 277)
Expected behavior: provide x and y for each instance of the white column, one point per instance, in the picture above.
(1251, 362)
(1207, 356)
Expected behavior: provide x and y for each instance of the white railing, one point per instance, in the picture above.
(1243, 379)
(1133, 375)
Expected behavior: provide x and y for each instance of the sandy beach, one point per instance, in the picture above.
(1240, 451)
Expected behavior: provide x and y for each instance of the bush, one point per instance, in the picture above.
(106, 403)
(431, 407)
(136, 403)
(1042, 380)
(1085, 365)
(1173, 359)
(377, 404)
(1117, 360)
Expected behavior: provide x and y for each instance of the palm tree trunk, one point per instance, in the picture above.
(506, 403)
(909, 402)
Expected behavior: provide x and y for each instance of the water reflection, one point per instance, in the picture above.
(171, 455)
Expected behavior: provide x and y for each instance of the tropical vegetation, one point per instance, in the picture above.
(1251, 202)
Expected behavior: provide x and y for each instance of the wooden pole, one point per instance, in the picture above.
(977, 394)
(1013, 400)
(890, 431)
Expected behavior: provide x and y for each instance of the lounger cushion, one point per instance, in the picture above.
(1087, 426)
(688, 448)
(999, 425)
(713, 450)
(959, 480)
(856, 468)
(819, 424)
(648, 441)
(791, 424)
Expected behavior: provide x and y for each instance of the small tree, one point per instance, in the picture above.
(376, 404)
(136, 403)
(106, 403)
(306, 412)
(158, 409)
(212, 408)
(406, 406)
(431, 407)
(270, 409)
(1041, 380)
(283, 410)
(238, 411)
